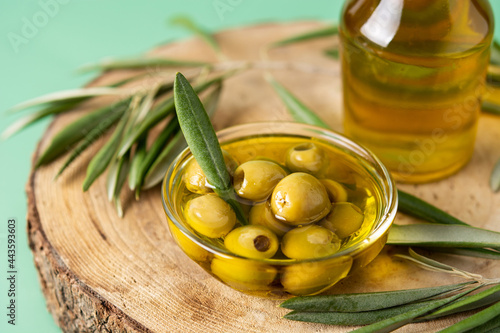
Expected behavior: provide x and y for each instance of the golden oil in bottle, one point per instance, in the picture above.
(413, 74)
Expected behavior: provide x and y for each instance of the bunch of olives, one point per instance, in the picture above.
(292, 213)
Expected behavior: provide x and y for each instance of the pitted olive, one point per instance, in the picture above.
(243, 274)
(255, 180)
(210, 215)
(300, 198)
(261, 214)
(344, 219)
(252, 241)
(305, 157)
(309, 242)
(195, 179)
(336, 192)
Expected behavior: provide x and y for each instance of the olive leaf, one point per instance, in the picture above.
(191, 26)
(482, 317)
(78, 129)
(137, 160)
(367, 301)
(158, 113)
(328, 31)
(138, 63)
(414, 206)
(117, 175)
(69, 95)
(443, 235)
(51, 109)
(297, 109)
(495, 177)
(204, 145)
(90, 138)
(157, 171)
(105, 155)
(390, 324)
(490, 107)
(332, 53)
(353, 318)
(495, 53)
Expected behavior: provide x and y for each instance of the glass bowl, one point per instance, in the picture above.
(365, 179)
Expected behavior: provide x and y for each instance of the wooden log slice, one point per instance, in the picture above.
(100, 272)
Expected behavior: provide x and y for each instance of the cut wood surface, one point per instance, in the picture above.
(100, 272)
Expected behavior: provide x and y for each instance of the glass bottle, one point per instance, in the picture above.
(413, 73)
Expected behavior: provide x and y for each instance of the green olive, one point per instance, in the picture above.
(336, 192)
(309, 242)
(305, 157)
(244, 274)
(195, 179)
(299, 199)
(210, 215)
(261, 214)
(311, 278)
(193, 250)
(344, 219)
(255, 180)
(252, 241)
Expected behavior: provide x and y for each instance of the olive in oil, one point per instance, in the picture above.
(413, 75)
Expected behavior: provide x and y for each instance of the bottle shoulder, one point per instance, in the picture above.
(423, 27)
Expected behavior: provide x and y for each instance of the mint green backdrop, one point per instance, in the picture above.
(67, 34)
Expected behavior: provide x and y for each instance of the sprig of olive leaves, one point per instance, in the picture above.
(389, 310)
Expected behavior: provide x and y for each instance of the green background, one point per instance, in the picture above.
(75, 33)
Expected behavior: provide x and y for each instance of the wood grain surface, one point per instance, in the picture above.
(100, 272)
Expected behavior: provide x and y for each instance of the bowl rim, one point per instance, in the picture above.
(385, 219)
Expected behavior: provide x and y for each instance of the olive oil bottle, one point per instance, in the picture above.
(413, 75)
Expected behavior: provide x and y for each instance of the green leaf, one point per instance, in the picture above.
(68, 95)
(101, 160)
(77, 130)
(159, 112)
(154, 151)
(138, 63)
(297, 109)
(390, 324)
(367, 301)
(157, 171)
(442, 235)
(90, 138)
(467, 303)
(137, 160)
(332, 53)
(189, 25)
(315, 34)
(51, 109)
(414, 206)
(203, 142)
(495, 177)
(475, 320)
(470, 252)
(491, 326)
(352, 318)
(495, 53)
(490, 107)
(117, 175)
